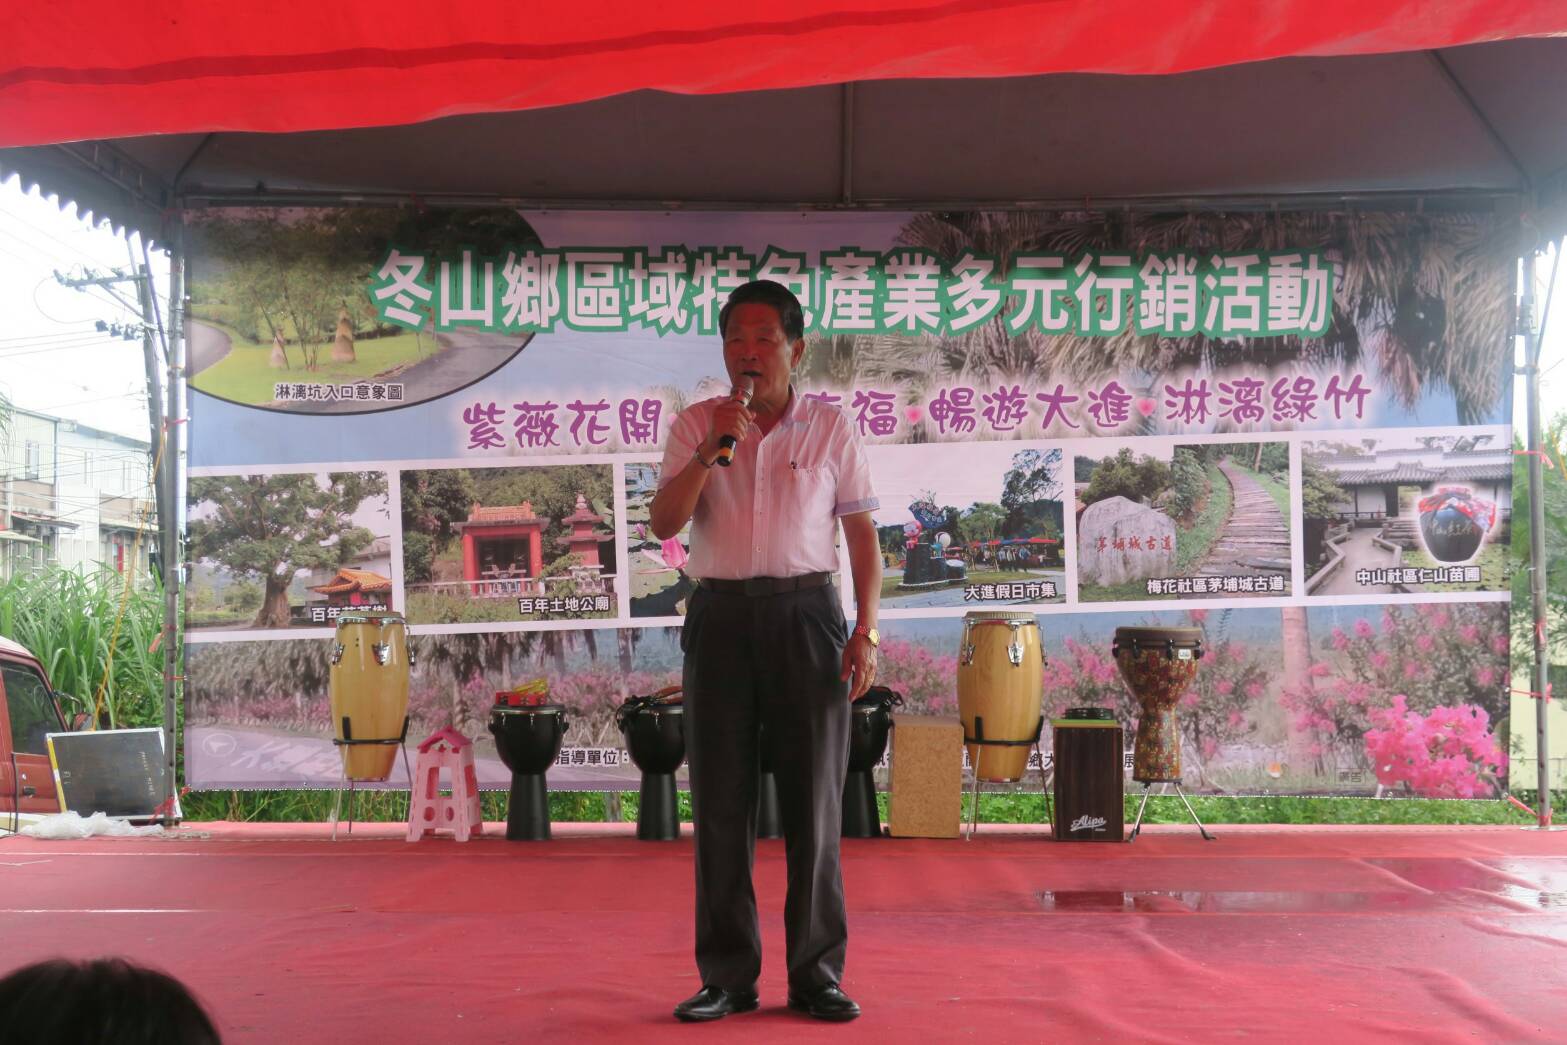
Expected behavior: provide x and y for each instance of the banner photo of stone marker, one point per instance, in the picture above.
(1290, 430)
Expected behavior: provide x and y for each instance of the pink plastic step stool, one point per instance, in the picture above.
(428, 809)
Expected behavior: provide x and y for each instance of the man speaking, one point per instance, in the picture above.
(765, 476)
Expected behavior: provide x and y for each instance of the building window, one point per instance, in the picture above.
(31, 459)
(88, 478)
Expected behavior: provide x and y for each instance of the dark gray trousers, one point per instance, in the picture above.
(773, 661)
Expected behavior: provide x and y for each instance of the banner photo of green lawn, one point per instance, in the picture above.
(1290, 430)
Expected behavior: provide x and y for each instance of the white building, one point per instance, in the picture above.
(1382, 483)
(73, 495)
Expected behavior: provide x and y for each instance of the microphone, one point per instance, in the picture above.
(742, 394)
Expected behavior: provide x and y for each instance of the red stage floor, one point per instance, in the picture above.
(1306, 934)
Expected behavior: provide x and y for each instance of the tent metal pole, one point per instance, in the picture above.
(1428, 200)
(846, 144)
(1540, 676)
(172, 558)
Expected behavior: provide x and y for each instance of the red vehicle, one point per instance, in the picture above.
(28, 711)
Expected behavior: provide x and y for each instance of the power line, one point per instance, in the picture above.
(84, 473)
(141, 396)
(55, 238)
(19, 339)
(95, 341)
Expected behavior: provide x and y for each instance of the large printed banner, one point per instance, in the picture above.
(1287, 429)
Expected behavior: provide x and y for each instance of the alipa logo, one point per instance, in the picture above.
(1091, 823)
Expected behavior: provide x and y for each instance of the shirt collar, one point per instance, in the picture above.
(794, 413)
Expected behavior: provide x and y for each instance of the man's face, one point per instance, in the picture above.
(755, 346)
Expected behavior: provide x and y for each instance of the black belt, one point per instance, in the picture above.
(766, 585)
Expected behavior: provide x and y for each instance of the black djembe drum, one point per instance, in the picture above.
(528, 740)
(654, 728)
(869, 725)
(1088, 776)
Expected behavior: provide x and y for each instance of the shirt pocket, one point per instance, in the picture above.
(811, 491)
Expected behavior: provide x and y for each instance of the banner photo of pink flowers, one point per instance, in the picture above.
(1323, 700)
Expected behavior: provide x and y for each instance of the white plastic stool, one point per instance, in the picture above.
(429, 810)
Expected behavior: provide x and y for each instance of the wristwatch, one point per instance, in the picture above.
(870, 633)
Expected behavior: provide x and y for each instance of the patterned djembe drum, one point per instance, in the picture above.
(1157, 664)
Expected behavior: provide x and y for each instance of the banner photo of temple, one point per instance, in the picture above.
(1290, 430)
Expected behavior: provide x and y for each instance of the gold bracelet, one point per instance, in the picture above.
(696, 455)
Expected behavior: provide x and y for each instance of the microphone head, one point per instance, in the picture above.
(744, 389)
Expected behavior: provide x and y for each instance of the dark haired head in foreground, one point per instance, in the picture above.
(107, 1001)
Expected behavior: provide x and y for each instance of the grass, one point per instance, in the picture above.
(994, 808)
(1193, 542)
(218, 618)
(392, 806)
(67, 619)
(245, 375)
(1493, 569)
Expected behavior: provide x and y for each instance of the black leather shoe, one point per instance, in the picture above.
(824, 1003)
(714, 1003)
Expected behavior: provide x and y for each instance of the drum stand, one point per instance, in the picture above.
(1044, 773)
(348, 740)
(1137, 825)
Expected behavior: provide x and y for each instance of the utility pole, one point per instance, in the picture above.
(1539, 676)
(142, 280)
(173, 554)
(165, 445)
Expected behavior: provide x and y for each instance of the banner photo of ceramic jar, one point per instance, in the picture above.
(1453, 522)
(1408, 512)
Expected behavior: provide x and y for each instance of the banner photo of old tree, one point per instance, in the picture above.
(1287, 429)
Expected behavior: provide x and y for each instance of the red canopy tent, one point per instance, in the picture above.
(906, 104)
(79, 71)
(138, 111)
(889, 102)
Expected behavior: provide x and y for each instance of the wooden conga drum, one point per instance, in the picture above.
(369, 689)
(1157, 665)
(1001, 668)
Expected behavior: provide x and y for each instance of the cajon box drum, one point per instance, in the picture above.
(926, 777)
(1088, 776)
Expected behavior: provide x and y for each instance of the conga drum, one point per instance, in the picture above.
(1001, 668)
(1157, 664)
(369, 691)
(1088, 793)
(654, 729)
(869, 724)
(528, 739)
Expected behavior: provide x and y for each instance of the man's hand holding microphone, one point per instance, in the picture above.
(731, 423)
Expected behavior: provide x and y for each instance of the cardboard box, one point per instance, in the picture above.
(925, 797)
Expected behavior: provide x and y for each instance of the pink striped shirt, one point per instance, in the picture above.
(774, 511)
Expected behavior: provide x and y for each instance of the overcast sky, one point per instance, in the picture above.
(52, 360)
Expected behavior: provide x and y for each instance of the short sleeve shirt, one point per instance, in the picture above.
(774, 511)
